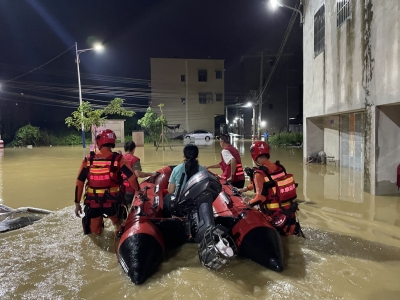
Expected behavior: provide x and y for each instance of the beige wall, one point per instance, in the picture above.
(357, 71)
(116, 125)
(167, 88)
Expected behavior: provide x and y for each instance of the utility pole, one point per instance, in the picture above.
(187, 95)
(260, 100)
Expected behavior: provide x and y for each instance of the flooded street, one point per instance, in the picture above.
(351, 250)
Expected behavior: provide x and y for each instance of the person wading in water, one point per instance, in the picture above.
(102, 172)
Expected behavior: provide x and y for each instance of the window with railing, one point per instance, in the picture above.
(319, 31)
(218, 97)
(343, 11)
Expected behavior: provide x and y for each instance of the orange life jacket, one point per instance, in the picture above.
(280, 191)
(104, 180)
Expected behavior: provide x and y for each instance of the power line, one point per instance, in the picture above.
(282, 46)
(42, 65)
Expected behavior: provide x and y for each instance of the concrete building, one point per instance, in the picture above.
(351, 52)
(192, 91)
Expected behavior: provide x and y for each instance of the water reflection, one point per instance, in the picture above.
(199, 142)
(343, 184)
(351, 250)
(239, 144)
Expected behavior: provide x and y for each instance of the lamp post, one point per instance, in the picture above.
(275, 3)
(97, 48)
(250, 104)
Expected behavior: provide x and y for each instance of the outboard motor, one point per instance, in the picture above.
(216, 247)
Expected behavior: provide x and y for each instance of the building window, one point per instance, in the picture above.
(183, 78)
(183, 100)
(319, 31)
(202, 75)
(218, 97)
(343, 11)
(218, 74)
(270, 106)
(205, 98)
(202, 98)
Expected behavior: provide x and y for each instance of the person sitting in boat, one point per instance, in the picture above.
(192, 190)
(189, 167)
(134, 162)
(275, 190)
(102, 172)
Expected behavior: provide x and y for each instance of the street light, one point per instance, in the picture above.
(250, 104)
(263, 124)
(96, 47)
(274, 4)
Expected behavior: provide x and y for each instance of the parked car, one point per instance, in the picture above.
(199, 134)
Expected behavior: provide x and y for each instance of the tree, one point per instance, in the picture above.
(27, 135)
(152, 123)
(88, 116)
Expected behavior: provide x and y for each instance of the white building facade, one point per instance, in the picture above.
(352, 86)
(192, 91)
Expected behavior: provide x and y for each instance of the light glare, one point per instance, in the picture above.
(274, 4)
(98, 47)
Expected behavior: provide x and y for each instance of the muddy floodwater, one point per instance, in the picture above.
(351, 250)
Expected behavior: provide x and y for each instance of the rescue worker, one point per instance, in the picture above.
(275, 190)
(102, 172)
(231, 164)
(134, 162)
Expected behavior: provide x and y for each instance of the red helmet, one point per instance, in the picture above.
(258, 148)
(106, 137)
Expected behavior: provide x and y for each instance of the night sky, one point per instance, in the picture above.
(33, 32)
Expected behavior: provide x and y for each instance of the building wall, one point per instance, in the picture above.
(352, 140)
(116, 125)
(167, 88)
(357, 71)
(331, 137)
(387, 148)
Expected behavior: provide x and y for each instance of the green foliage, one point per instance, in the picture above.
(88, 116)
(115, 108)
(148, 140)
(286, 138)
(152, 123)
(70, 139)
(30, 135)
(27, 135)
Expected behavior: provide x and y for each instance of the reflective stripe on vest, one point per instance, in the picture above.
(102, 163)
(286, 181)
(274, 177)
(102, 191)
(276, 205)
(239, 170)
(103, 175)
(239, 174)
